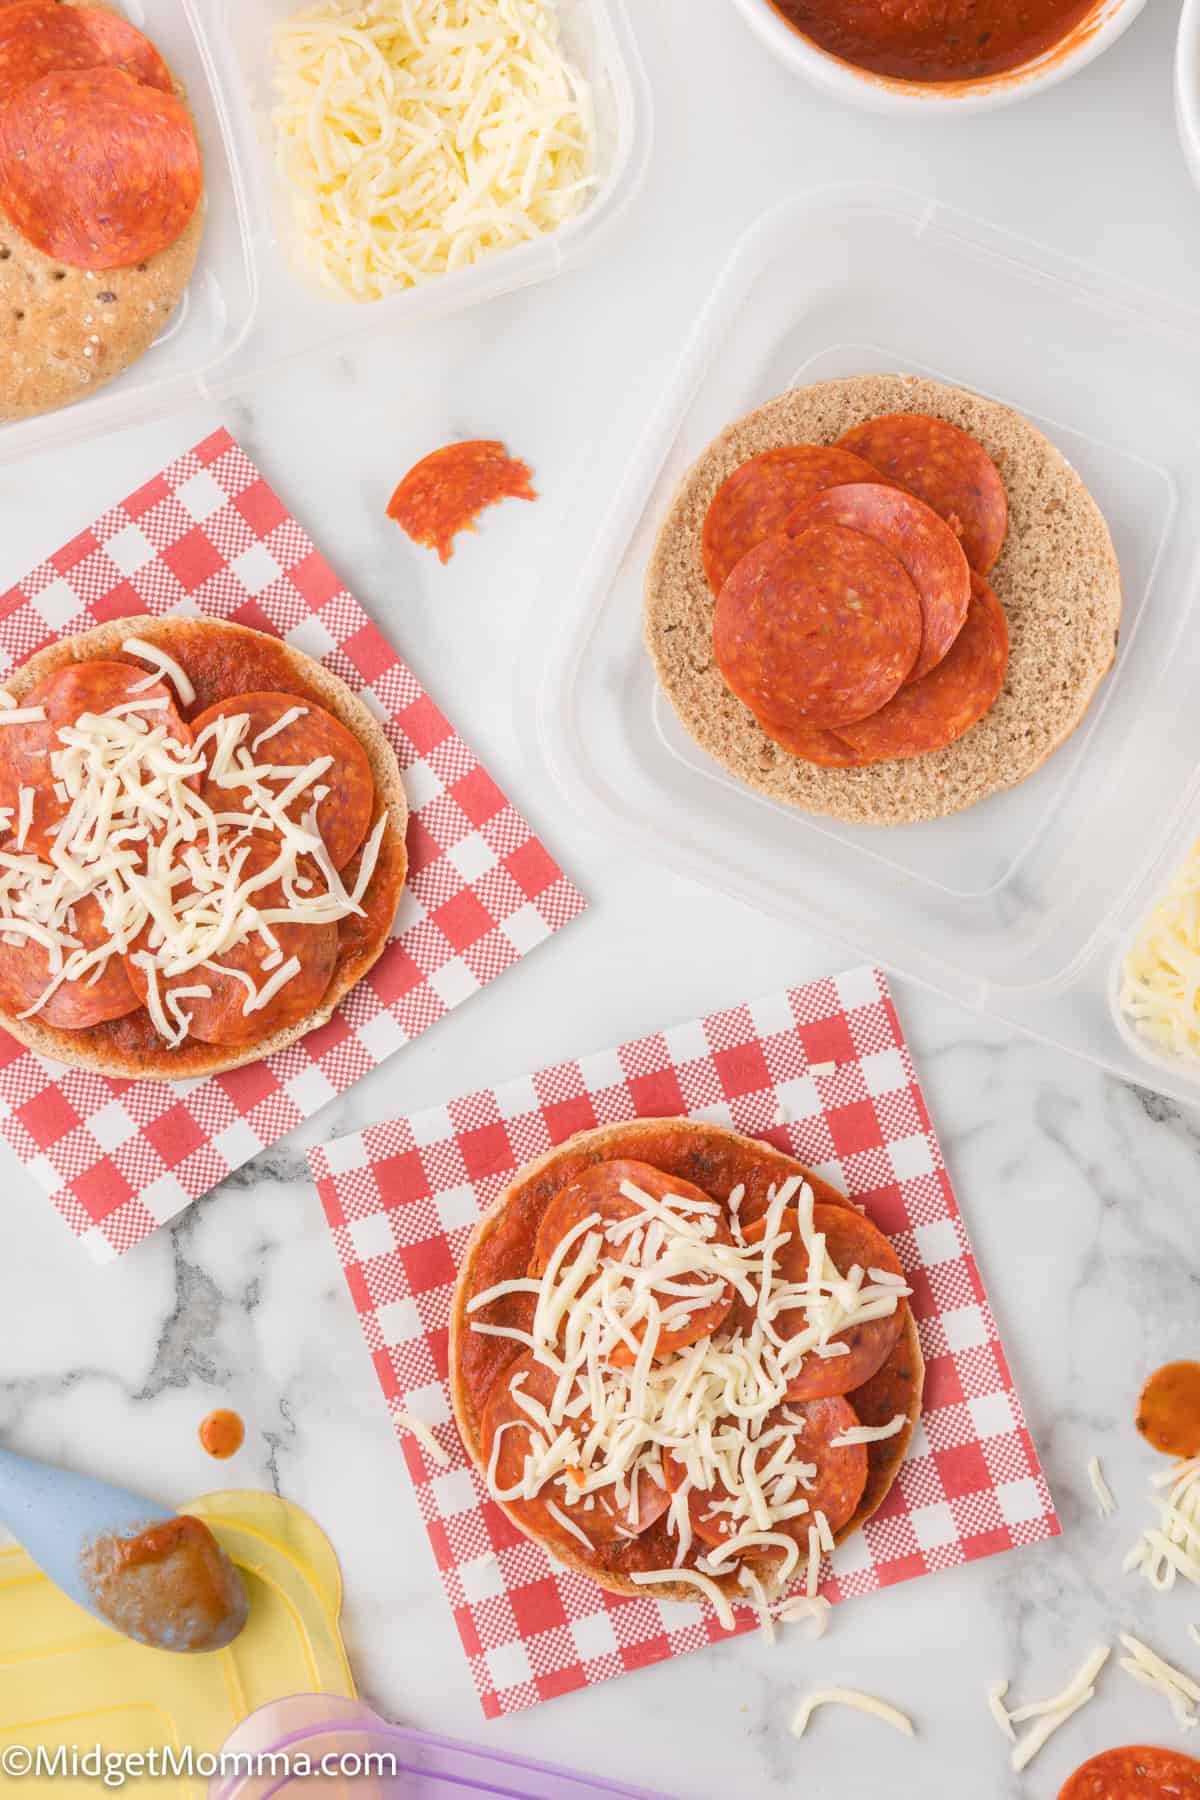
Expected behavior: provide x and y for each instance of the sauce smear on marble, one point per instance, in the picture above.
(222, 1433)
(1168, 1411)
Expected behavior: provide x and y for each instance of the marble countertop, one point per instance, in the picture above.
(1080, 1193)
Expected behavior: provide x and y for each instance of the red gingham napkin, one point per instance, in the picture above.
(208, 536)
(401, 1199)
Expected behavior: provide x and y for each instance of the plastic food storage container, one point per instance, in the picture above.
(426, 1768)
(1018, 906)
(246, 309)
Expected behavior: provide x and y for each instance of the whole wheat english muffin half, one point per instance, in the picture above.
(1057, 578)
(64, 332)
(224, 660)
(716, 1160)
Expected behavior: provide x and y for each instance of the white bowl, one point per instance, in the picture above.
(1187, 85)
(884, 93)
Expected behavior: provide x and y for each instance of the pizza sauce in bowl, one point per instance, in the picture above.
(901, 55)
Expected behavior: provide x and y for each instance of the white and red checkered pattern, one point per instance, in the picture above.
(401, 1199)
(208, 536)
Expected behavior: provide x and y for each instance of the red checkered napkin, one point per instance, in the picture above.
(208, 536)
(831, 1061)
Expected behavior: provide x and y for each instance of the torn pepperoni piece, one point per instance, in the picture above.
(1168, 1411)
(947, 469)
(40, 37)
(65, 696)
(446, 491)
(98, 170)
(104, 992)
(755, 502)
(819, 628)
(509, 1433)
(245, 968)
(1135, 1772)
(596, 1191)
(922, 543)
(849, 1239)
(288, 733)
(939, 709)
(835, 1489)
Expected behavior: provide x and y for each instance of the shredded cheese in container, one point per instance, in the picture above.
(1160, 978)
(417, 137)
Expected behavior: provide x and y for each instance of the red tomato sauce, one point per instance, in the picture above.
(935, 40)
(222, 1433)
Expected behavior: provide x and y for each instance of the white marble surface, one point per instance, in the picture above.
(1080, 1194)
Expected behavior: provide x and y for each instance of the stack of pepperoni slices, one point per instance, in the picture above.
(99, 163)
(852, 615)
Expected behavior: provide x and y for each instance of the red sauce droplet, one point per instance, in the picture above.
(222, 1432)
(1168, 1411)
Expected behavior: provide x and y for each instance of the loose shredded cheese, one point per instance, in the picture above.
(1105, 1499)
(163, 665)
(1172, 1547)
(870, 1434)
(424, 1435)
(864, 1703)
(1178, 1689)
(417, 137)
(998, 1710)
(801, 1607)
(22, 715)
(1159, 990)
(1051, 1714)
(694, 1578)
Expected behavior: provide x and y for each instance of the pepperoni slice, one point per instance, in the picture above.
(447, 490)
(310, 732)
(604, 1520)
(827, 749)
(98, 170)
(87, 687)
(1135, 1772)
(105, 993)
(756, 501)
(821, 628)
(947, 469)
(1168, 1413)
(220, 1016)
(837, 1486)
(39, 37)
(598, 1190)
(849, 1238)
(940, 708)
(923, 545)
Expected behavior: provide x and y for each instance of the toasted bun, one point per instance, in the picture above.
(611, 1141)
(64, 331)
(1057, 578)
(192, 1058)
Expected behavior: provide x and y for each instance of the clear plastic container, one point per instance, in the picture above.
(1018, 906)
(317, 1726)
(246, 309)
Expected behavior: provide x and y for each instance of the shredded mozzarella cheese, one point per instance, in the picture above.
(864, 1703)
(1159, 990)
(417, 137)
(1051, 1714)
(424, 1435)
(715, 1408)
(1178, 1689)
(1105, 1499)
(163, 665)
(998, 1710)
(1172, 1547)
(166, 871)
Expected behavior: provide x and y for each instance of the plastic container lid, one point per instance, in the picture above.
(246, 310)
(1016, 906)
(313, 1726)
